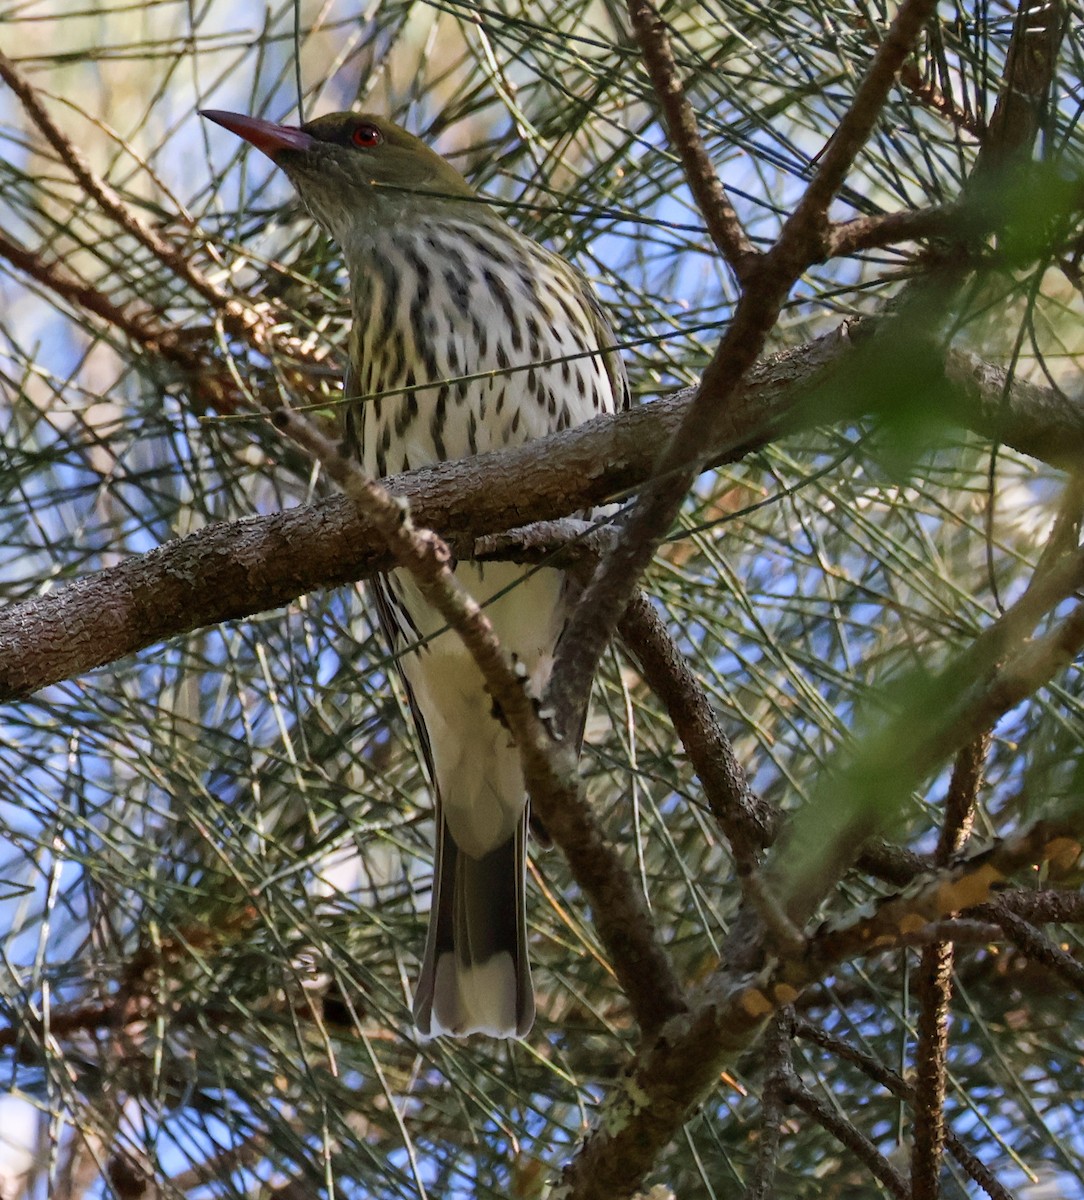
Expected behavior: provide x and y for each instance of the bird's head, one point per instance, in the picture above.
(353, 171)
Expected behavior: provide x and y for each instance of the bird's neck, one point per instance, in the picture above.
(413, 243)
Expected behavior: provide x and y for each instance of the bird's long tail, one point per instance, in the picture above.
(475, 972)
(476, 976)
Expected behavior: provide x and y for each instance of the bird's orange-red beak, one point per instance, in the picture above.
(264, 135)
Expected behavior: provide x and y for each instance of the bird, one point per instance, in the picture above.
(467, 336)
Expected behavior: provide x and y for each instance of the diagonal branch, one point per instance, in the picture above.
(669, 1078)
(847, 1134)
(801, 243)
(211, 388)
(1030, 69)
(238, 315)
(1037, 947)
(746, 819)
(897, 1086)
(711, 198)
(808, 223)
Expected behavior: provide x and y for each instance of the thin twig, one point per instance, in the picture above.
(747, 820)
(1038, 948)
(933, 988)
(894, 1083)
(777, 1073)
(711, 198)
(930, 95)
(211, 388)
(809, 222)
(237, 314)
(847, 1134)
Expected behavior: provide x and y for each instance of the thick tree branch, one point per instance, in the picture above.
(889, 229)
(1049, 906)
(225, 572)
(891, 864)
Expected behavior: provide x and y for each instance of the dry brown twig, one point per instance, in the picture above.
(934, 986)
(236, 314)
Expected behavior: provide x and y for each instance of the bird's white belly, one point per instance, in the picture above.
(478, 766)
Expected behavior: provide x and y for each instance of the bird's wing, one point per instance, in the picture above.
(395, 622)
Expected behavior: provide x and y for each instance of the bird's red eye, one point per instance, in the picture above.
(367, 136)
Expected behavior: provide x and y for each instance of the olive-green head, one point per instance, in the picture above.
(354, 171)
